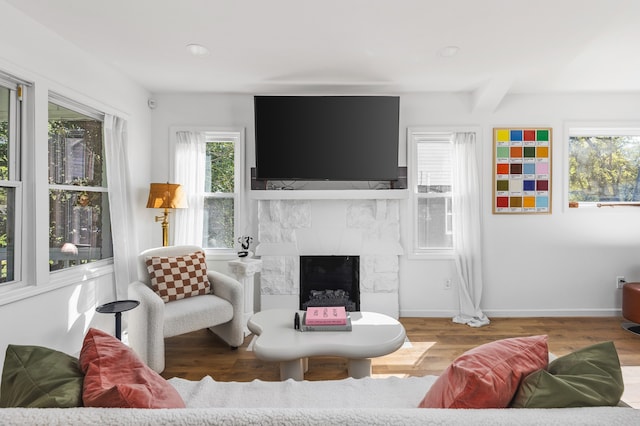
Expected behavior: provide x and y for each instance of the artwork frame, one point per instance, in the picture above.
(522, 180)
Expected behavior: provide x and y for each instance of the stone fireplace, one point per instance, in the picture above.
(369, 229)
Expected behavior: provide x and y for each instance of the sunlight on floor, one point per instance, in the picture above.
(631, 378)
(412, 355)
(415, 352)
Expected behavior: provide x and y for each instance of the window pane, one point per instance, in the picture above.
(220, 176)
(434, 223)
(4, 133)
(8, 212)
(434, 166)
(79, 229)
(79, 223)
(7, 233)
(75, 148)
(434, 177)
(218, 223)
(604, 168)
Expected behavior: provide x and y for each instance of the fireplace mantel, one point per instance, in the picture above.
(336, 194)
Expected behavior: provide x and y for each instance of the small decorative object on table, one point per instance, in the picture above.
(245, 242)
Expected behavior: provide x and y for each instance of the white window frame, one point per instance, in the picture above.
(32, 198)
(17, 138)
(236, 138)
(239, 220)
(64, 275)
(414, 136)
(449, 219)
(594, 129)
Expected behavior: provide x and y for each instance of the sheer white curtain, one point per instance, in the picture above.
(123, 230)
(190, 170)
(467, 230)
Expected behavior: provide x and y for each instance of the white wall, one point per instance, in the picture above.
(59, 318)
(536, 265)
(222, 111)
(560, 264)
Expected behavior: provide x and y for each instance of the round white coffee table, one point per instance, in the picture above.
(373, 335)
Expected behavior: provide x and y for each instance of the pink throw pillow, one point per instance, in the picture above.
(116, 377)
(488, 376)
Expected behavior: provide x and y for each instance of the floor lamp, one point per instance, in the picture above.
(166, 196)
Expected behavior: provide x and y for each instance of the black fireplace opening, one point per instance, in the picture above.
(330, 281)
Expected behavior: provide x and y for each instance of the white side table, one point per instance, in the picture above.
(244, 269)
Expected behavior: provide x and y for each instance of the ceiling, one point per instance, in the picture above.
(358, 46)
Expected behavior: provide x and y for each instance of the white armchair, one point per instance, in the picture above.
(153, 321)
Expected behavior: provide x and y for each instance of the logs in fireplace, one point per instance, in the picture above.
(330, 298)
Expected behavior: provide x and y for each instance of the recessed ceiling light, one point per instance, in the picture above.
(197, 49)
(448, 51)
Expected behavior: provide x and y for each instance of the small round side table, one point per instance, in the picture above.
(117, 307)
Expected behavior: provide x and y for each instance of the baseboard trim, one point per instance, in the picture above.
(520, 313)
(413, 313)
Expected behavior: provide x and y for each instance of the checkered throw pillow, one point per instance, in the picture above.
(174, 278)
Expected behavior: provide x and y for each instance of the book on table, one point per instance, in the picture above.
(314, 319)
(326, 315)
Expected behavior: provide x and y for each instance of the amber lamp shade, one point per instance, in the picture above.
(166, 196)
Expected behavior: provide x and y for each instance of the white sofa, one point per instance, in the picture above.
(368, 401)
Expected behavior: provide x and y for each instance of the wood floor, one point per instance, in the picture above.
(432, 344)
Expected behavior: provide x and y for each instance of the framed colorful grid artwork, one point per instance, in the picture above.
(522, 170)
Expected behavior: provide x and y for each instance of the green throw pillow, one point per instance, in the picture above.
(37, 377)
(588, 377)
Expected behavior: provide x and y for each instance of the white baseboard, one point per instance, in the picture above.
(416, 313)
(279, 301)
(520, 313)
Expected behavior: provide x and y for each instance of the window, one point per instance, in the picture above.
(10, 178)
(79, 223)
(220, 196)
(220, 192)
(208, 165)
(431, 181)
(603, 166)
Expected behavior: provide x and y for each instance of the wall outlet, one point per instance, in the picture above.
(620, 281)
(447, 284)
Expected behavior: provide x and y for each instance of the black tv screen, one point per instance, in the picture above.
(338, 138)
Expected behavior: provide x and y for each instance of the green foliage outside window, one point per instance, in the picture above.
(218, 223)
(604, 168)
(5, 273)
(220, 180)
(90, 131)
(4, 150)
(220, 159)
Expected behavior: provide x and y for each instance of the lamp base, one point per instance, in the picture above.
(165, 226)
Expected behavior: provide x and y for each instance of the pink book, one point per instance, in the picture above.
(326, 315)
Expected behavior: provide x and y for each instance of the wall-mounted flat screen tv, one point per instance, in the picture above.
(337, 138)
